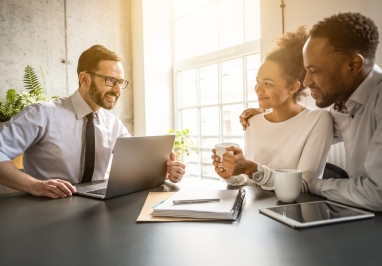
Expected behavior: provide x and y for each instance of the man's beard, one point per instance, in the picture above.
(98, 98)
(336, 92)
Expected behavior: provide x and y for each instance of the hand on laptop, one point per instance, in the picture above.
(175, 169)
(52, 188)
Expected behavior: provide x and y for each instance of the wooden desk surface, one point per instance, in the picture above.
(84, 231)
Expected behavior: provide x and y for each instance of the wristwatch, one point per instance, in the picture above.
(259, 174)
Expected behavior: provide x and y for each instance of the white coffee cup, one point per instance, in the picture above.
(220, 148)
(287, 184)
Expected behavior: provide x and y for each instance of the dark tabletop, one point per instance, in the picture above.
(85, 231)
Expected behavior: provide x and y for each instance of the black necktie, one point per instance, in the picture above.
(89, 149)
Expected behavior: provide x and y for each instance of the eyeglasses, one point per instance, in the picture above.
(111, 82)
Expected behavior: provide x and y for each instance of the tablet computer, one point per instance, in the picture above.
(315, 213)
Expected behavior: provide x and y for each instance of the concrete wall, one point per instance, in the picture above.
(53, 34)
(309, 12)
(32, 33)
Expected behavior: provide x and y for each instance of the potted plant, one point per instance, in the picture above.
(15, 101)
(183, 144)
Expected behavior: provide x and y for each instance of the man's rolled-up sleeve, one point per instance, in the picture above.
(23, 130)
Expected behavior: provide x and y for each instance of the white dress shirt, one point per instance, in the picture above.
(52, 136)
(361, 131)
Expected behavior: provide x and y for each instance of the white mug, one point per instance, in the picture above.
(220, 148)
(287, 184)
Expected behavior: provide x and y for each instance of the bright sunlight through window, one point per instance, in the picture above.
(216, 58)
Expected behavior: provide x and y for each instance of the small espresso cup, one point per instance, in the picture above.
(287, 184)
(220, 148)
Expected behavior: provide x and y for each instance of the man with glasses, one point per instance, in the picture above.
(53, 135)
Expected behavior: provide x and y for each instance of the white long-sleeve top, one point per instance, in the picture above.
(302, 142)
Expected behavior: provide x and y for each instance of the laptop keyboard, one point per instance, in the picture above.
(101, 191)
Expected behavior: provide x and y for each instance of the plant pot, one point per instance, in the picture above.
(18, 161)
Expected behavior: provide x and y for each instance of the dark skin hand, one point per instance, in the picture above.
(248, 113)
(232, 164)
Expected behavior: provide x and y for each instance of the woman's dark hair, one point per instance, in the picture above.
(349, 33)
(90, 58)
(287, 53)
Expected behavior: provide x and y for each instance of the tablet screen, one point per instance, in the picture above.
(314, 211)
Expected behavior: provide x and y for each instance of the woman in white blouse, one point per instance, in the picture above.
(291, 135)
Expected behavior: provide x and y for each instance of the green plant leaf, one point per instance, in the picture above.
(5, 113)
(31, 81)
(182, 143)
(11, 95)
(14, 102)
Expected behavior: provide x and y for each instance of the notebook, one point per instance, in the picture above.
(203, 204)
(138, 163)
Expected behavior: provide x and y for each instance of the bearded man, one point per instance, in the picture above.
(53, 134)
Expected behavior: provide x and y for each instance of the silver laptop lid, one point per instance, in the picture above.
(138, 163)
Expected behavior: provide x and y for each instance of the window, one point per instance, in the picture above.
(216, 59)
(204, 26)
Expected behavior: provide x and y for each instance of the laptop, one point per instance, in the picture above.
(138, 163)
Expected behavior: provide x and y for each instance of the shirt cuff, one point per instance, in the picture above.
(315, 186)
(236, 180)
(267, 183)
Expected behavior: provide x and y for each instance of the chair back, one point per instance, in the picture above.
(334, 171)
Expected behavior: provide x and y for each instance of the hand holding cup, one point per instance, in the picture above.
(220, 148)
(228, 160)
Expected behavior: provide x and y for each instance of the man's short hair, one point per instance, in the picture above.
(349, 33)
(90, 58)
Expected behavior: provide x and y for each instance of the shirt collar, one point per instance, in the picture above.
(362, 93)
(81, 108)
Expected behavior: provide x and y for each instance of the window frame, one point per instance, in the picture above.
(217, 57)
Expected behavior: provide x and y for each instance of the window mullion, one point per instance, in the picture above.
(198, 121)
(220, 100)
(245, 82)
